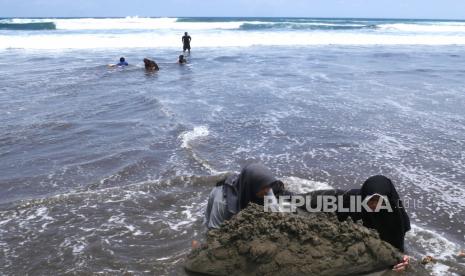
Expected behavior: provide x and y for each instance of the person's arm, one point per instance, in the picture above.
(215, 214)
(279, 189)
(209, 207)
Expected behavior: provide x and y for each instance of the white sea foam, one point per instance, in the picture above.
(217, 39)
(171, 23)
(430, 243)
(78, 248)
(192, 135)
(188, 216)
(189, 136)
(453, 27)
(130, 23)
(300, 185)
(135, 32)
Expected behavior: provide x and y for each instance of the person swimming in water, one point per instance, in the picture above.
(150, 65)
(186, 42)
(182, 60)
(122, 62)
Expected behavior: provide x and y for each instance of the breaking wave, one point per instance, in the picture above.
(28, 26)
(304, 26)
(165, 32)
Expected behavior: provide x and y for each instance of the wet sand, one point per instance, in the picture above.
(263, 243)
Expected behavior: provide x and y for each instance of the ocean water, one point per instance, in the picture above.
(135, 32)
(108, 170)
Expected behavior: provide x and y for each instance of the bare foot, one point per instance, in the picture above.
(461, 254)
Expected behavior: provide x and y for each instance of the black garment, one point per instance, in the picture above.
(346, 194)
(186, 41)
(240, 190)
(391, 226)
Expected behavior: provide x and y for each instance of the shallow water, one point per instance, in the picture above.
(109, 169)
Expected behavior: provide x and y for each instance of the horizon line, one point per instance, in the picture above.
(303, 17)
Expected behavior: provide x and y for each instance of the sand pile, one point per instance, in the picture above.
(259, 243)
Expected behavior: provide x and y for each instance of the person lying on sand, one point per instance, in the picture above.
(391, 226)
(150, 65)
(234, 193)
(182, 60)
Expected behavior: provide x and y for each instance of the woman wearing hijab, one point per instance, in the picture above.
(391, 226)
(235, 192)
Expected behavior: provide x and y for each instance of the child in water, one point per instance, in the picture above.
(182, 60)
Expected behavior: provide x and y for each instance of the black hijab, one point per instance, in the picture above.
(391, 226)
(240, 190)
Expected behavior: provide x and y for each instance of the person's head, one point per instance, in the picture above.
(146, 62)
(391, 223)
(255, 182)
(181, 59)
(185, 33)
(376, 188)
(122, 59)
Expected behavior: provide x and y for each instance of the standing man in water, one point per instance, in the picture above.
(186, 41)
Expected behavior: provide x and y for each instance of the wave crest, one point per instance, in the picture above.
(33, 26)
(303, 26)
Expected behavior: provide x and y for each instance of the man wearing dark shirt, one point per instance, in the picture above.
(186, 41)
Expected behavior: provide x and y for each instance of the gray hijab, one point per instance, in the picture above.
(240, 190)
